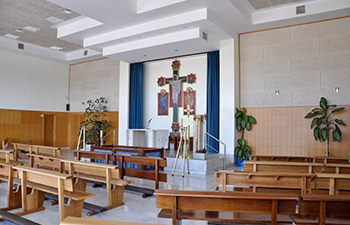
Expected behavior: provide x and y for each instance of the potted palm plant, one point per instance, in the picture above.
(93, 121)
(243, 122)
(324, 122)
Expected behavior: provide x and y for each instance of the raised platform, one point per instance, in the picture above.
(198, 166)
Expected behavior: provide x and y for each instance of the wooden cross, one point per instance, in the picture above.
(175, 90)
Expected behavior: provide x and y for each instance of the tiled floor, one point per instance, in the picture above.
(136, 208)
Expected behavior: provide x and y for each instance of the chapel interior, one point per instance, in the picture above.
(199, 112)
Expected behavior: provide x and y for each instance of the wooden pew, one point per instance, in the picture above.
(80, 221)
(285, 167)
(206, 205)
(332, 182)
(104, 173)
(142, 151)
(324, 207)
(53, 182)
(339, 168)
(37, 149)
(281, 158)
(157, 162)
(325, 160)
(302, 181)
(8, 155)
(8, 175)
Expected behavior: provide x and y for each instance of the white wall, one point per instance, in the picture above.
(227, 94)
(92, 80)
(124, 84)
(28, 83)
(154, 70)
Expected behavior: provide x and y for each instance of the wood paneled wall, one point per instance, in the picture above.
(21, 126)
(284, 131)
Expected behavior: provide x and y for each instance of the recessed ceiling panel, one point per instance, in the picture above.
(261, 4)
(31, 20)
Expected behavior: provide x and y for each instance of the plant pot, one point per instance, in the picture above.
(239, 163)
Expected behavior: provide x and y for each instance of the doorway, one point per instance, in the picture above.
(49, 130)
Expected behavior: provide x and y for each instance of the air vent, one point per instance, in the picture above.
(85, 52)
(300, 9)
(20, 46)
(205, 36)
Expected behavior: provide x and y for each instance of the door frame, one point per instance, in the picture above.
(43, 128)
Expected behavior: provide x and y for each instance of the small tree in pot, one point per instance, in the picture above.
(323, 122)
(93, 119)
(243, 122)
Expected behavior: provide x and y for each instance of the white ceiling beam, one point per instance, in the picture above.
(153, 26)
(78, 25)
(150, 5)
(289, 11)
(154, 41)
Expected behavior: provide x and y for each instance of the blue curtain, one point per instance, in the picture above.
(213, 99)
(136, 95)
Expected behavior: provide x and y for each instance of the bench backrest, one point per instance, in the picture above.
(302, 181)
(108, 157)
(45, 177)
(96, 169)
(5, 169)
(325, 160)
(288, 167)
(281, 158)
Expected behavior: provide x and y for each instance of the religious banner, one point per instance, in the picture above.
(175, 90)
(163, 103)
(190, 100)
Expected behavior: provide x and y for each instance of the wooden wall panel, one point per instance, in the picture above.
(21, 126)
(284, 131)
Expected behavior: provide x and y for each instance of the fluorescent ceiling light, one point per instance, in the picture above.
(66, 11)
(55, 48)
(31, 28)
(53, 19)
(18, 30)
(11, 36)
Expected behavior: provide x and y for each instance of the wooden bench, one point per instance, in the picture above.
(206, 205)
(53, 182)
(37, 149)
(8, 155)
(285, 167)
(281, 158)
(302, 181)
(8, 175)
(325, 207)
(340, 168)
(157, 162)
(104, 173)
(332, 182)
(325, 160)
(141, 151)
(79, 221)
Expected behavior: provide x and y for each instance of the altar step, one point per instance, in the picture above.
(199, 166)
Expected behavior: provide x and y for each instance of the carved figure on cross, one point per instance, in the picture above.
(175, 90)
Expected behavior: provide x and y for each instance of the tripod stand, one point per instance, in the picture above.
(183, 146)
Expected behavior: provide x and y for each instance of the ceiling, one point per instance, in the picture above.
(141, 30)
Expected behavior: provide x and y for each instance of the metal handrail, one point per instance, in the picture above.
(220, 142)
(112, 131)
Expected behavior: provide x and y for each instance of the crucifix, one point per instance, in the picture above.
(175, 90)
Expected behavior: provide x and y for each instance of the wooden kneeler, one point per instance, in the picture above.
(53, 182)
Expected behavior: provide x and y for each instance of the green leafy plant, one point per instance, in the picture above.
(323, 122)
(93, 119)
(243, 122)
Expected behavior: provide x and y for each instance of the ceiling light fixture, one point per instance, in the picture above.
(18, 30)
(31, 28)
(66, 11)
(11, 36)
(53, 19)
(277, 92)
(56, 48)
(176, 49)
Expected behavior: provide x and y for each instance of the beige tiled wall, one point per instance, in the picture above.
(303, 62)
(92, 80)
